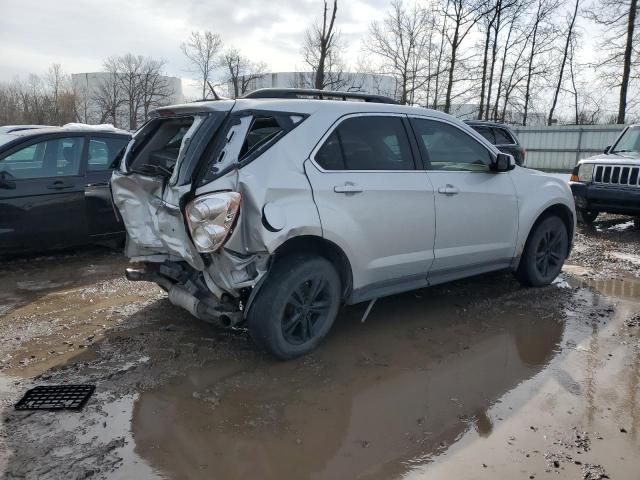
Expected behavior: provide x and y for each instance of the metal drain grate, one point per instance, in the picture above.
(56, 397)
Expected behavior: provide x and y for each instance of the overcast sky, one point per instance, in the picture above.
(80, 34)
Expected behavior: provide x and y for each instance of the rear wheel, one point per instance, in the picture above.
(544, 253)
(587, 216)
(296, 306)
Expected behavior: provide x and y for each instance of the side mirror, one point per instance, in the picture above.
(503, 163)
(6, 182)
(607, 148)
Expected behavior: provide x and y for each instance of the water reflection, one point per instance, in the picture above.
(371, 402)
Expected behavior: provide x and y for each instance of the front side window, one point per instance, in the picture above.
(367, 143)
(104, 152)
(450, 148)
(59, 157)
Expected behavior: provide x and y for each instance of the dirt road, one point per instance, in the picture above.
(476, 379)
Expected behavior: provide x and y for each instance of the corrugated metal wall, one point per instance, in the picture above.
(558, 148)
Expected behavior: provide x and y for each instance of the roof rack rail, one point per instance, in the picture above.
(311, 93)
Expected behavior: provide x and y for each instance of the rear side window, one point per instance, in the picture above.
(367, 143)
(503, 137)
(261, 131)
(104, 152)
(486, 133)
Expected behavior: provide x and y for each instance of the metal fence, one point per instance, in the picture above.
(558, 148)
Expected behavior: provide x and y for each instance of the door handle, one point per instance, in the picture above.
(448, 189)
(59, 185)
(347, 188)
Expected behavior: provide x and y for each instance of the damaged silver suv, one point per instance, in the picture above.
(273, 210)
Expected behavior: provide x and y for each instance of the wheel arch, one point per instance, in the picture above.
(560, 210)
(325, 248)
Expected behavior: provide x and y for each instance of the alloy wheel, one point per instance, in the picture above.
(550, 253)
(306, 310)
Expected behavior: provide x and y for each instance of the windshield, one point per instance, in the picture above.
(628, 142)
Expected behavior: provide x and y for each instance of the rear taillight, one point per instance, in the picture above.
(523, 153)
(211, 219)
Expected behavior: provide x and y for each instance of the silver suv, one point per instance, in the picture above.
(273, 210)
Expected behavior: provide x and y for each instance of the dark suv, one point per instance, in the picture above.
(610, 182)
(501, 136)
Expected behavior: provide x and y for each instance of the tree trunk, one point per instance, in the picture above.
(626, 71)
(494, 51)
(484, 69)
(454, 51)
(564, 61)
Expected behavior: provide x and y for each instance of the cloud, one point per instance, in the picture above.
(80, 34)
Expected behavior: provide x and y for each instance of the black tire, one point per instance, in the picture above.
(587, 216)
(296, 306)
(544, 253)
(636, 223)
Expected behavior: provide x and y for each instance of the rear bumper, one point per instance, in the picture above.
(610, 199)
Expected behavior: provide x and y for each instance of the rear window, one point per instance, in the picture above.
(158, 145)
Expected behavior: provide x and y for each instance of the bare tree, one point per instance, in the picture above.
(541, 36)
(130, 81)
(463, 16)
(108, 96)
(47, 99)
(569, 35)
(321, 51)
(202, 49)
(401, 42)
(56, 80)
(155, 89)
(240, 72)
(515, 36)
(618, 48)
(440, 60)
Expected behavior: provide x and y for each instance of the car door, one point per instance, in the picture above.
(103, 156)
(42, 195)
(476, 208)
(374, 203)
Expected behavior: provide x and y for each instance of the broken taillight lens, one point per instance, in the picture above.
(211, 218)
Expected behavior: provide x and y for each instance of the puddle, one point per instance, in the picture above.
(375, 398)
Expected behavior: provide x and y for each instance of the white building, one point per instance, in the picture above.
(348, 81)
(88, 88)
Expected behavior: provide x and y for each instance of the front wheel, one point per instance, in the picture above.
(544, 253)
(587, 216)
(296, 306)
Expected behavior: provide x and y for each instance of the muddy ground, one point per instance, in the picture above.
(476, 379)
